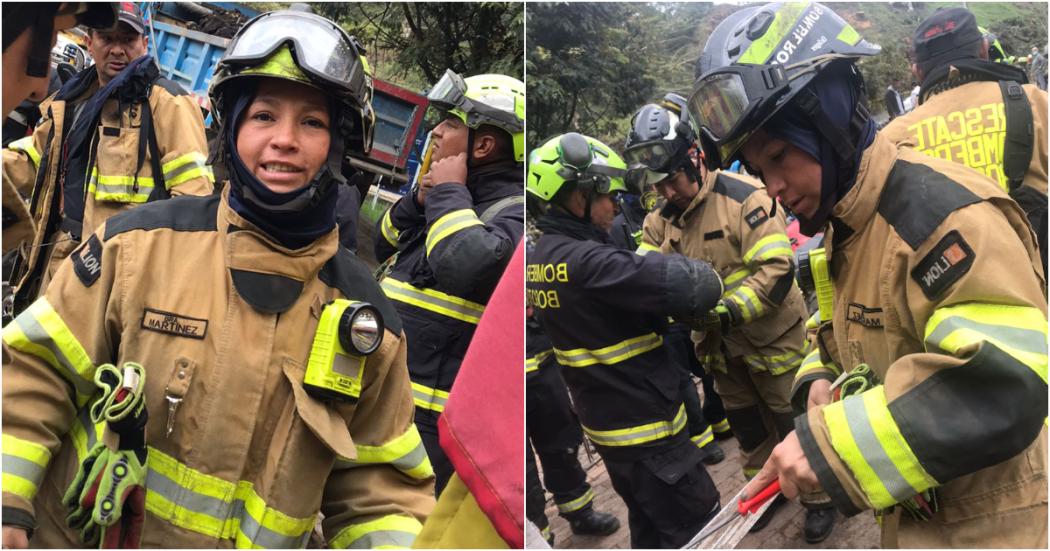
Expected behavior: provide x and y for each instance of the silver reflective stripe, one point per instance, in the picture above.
(36, 334)
(1025, 340)
(190, 165)
(128, 188)
(757, 257)
(578, 503)
(23, 468)
(751, 307)
(89, 428)
(870, 447)
(495, 208)
(392, 538)
(428, 397)
(606, 357)
(405, 463)
(263, 536)
(399, 290)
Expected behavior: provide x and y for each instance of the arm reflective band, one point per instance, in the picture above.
(429, 398)
(209, 505)
(389, 532)
(578, 503)
(612, 354)
(866, 438)
(435, 301)
(24, 465)
(533, 363)
(632, 436)
(185, 168)
(812, 363)
(405, 453)
(746, 301)
(449, 224)
(813, 322)
(120, 188)
(386, 227)
(40, 331)
(733, 280)
(26, 145)
(768, 247)
(1020, 331)
(645, 248)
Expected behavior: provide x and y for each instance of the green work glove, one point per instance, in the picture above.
(719, 318)
(75, 498)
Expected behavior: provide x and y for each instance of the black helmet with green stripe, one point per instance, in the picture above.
(756, 61)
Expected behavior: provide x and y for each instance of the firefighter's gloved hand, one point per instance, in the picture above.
(720, 318)
(79, 498)
(108, 503)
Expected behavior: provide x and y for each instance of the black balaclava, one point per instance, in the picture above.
(838, 91)
(294, 219)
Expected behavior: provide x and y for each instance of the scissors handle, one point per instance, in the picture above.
(753, 504)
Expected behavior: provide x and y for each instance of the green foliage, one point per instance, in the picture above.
(592, 65)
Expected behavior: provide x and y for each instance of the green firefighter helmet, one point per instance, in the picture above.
(497, 100)
(574, 158)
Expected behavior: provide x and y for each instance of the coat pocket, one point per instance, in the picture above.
(326, 423)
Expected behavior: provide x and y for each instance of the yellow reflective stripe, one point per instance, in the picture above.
(848, 35)
(435, 301)
(704, 438)
(533, 363)
(813, 322)
(783, 21)
(218, 508)
(546, 532)
(578, 503)
(1020, 331)
(733, 280)
(747, 302)
(812, 362)
(185, 168)
(641, 434)
(449, 224)
(768, 247)
(40, 331)
(386, 227)
(609, 355)
(26, 145)
(713, 361)
(24, 464)
(119, 188)
(781, 363)
(405, 453)
(721, 426)
(389, 532)
(867, 438)
(85, 434)
(429, 398)
(645, 248)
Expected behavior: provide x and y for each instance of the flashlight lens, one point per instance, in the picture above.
(364, 330)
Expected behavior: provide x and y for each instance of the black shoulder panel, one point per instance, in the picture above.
(184, 213)
(348, 274)
(173, 88)
(917, 199)
(733, 188)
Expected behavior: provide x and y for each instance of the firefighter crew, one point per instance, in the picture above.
(972, 111)
(253, 429)
(604, 309)
(553, 431)
(939, 422)
(111, 138)
(29, 30)
(455, 234)
(752, 341)
(677, 337)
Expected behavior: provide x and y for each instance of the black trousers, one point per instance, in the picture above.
(680, 347)
(426, 422)
(555, 435)
(667, 490)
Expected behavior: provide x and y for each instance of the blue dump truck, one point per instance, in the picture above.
(189, 56)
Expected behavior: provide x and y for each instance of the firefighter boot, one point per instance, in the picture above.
(589, 522)
(819, 522)
(763, 521)
(713, 453)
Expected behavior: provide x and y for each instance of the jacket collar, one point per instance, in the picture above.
(249, 249)
(855, 210)
(494, 181)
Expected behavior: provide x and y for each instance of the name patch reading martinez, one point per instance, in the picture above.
(946, 263)
(174, 324)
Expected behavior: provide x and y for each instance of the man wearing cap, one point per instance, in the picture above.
(113, 137)
(972, 111)
(892, 99)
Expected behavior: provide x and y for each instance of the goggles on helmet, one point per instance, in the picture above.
(321, 49)
(577, 157)
(451, 93)
(728, 103)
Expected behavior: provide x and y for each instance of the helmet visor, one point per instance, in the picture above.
(639, 178)
(655, 155)
(451, 93)
(321, 49)
(726, 100)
